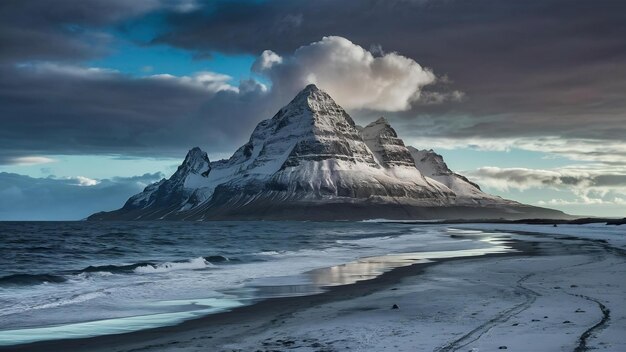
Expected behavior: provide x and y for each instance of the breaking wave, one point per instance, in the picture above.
(135, 268)
(191, 264)
(30, 279)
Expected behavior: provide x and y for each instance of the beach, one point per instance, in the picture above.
(556, 292)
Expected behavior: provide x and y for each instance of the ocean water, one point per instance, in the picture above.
(80, 279)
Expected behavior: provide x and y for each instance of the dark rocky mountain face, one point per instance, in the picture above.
(311, 162)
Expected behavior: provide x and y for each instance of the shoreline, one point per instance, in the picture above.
(555, 292)
(538, 221)
(255, 314)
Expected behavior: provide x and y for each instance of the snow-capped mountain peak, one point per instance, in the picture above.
(196, 162)
(311, 162)
(312, 127)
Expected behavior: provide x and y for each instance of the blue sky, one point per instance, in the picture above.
(132, 59)
(111, 91)
(132, 53)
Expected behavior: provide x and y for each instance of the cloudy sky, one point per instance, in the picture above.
(98, 98)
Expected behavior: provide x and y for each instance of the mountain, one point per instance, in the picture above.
(432, 166)
(312, 162)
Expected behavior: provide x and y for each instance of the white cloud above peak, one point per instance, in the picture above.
(351, 74)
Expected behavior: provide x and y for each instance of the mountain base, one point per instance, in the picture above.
(339, 212)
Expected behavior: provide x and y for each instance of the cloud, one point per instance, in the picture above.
(526, 68)
(26, 160)
(183, 6)
(58, 108)
(588, 201)
(50, 108)
(68, 30)
(349, 73)
(590, 185)
(210, 81)
(65, 30)
(266, 60)
(541, 76)
(524, 178)
(27, 198)
(85, 181)
(611, 152)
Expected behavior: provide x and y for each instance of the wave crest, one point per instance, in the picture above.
(30, 279)
(191, 264)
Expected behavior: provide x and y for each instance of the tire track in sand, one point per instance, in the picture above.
(603, 323)
(530, 297)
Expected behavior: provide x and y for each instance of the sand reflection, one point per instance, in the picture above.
(368, 268)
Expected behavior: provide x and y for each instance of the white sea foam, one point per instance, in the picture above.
(54, 303)
(191, 264)
(270, 253)
(72, 300)
(111, 326)
(401, 221)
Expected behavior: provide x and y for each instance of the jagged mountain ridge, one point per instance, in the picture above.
(433, 166)
(310, 161)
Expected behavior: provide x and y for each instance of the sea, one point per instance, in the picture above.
(62, 280)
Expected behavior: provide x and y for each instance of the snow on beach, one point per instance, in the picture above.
(568, 297)
(615, 235)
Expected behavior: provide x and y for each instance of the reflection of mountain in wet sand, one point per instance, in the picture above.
(371, 267)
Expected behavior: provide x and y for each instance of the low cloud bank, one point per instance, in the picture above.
(28, 198)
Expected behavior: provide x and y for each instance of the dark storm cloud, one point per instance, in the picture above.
(532, 68)
(24, 197)
(526, 68)
(49, 107)
(52, 109)
(61, 29)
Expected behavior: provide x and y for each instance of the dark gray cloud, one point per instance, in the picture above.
(49, 104)
(28, 198)
(70, 30)
(62, 30)
(527, 69)
(51, 109)
(532, 68)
